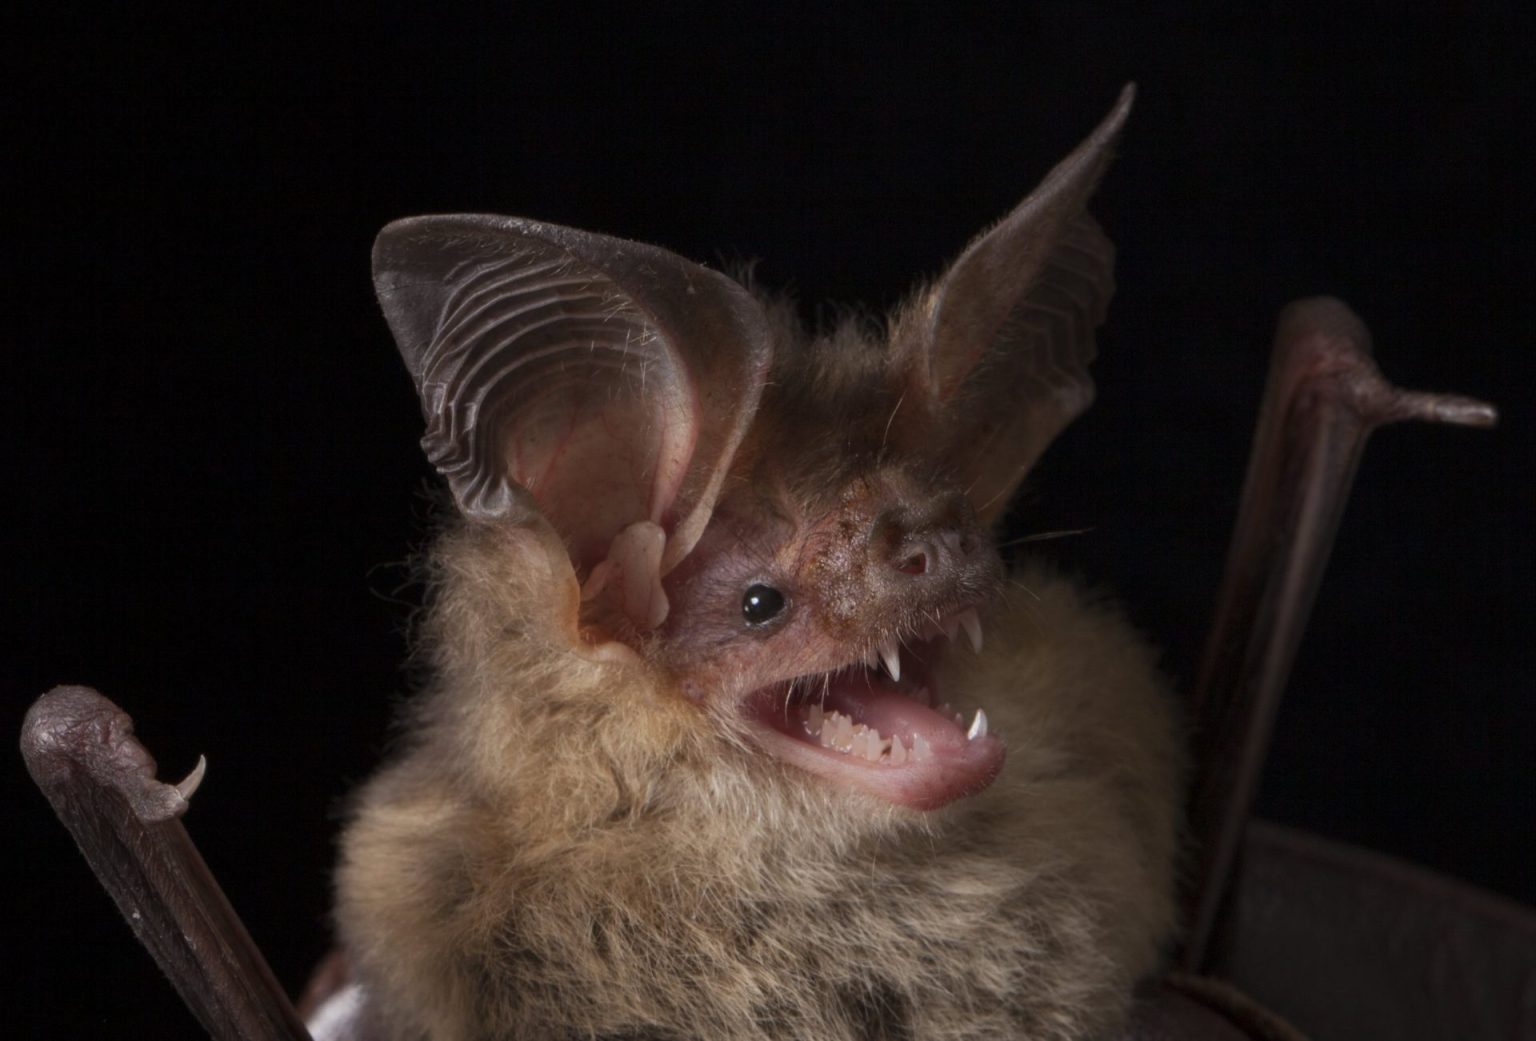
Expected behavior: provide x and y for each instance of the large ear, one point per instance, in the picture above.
(998, 350)
(609, 382)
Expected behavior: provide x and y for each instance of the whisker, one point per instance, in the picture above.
(1044, 536)
(995, 496)
(880, 456)
(1021, 585)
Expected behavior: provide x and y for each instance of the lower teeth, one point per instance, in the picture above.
(838, 731)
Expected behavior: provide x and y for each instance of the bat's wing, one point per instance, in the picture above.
(602, 383)
(1323, 398)
(80, 750)
(998, 350)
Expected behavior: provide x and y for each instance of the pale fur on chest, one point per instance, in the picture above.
(565, 851)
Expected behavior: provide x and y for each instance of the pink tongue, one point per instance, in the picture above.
(894, 715)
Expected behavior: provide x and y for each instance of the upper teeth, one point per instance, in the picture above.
(836, 730)
(950, 627)
(891, 656)
(972, 624)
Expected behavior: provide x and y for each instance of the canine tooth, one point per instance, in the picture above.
(898, 752)
(920, 749)
(951, 628)
(972, 623)
(892, 658)
(814, 718)
(978, 726)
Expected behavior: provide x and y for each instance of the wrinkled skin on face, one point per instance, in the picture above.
(867, 551)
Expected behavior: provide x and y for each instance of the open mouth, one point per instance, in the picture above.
(883, 724)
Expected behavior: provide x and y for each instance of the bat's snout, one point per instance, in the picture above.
(919, 548)
(937, 551)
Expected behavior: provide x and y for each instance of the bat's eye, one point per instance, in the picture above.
(761, 604)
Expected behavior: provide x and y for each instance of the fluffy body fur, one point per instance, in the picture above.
(567, 851)
(693, 535)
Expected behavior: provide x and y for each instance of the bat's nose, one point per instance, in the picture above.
(936, 539)
(937, 550)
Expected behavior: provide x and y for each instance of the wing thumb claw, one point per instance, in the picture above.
(193, 780)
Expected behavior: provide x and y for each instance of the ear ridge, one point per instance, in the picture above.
(1004, 339)
(603, 382)
(975, 297)
(1048, 384)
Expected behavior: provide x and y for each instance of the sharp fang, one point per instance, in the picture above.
(193, 779)
(978, 726)
(972, 623)
(892, 658)
(898, 752)
(951, 628)
(814, 719)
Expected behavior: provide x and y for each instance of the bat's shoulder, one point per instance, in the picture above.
(1068, 631)
(1075, 688)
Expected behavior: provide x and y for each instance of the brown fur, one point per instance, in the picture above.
(585, 836)
(567, 849)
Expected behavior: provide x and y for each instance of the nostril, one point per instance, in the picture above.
(914, 564)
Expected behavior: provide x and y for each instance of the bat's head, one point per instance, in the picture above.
(816, 608)
(791, 531)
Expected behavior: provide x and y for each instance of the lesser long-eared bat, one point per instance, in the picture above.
(737, 727)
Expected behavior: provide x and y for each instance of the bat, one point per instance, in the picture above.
(727, 667)
(738, 727)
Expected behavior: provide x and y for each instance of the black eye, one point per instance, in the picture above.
(761, 604)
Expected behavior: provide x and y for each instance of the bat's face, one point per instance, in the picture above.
(707, 644)
(821, 625)
(791, 530)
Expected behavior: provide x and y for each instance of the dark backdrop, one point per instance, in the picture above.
(211, 470)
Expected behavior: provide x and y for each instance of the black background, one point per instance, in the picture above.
(211, 474)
